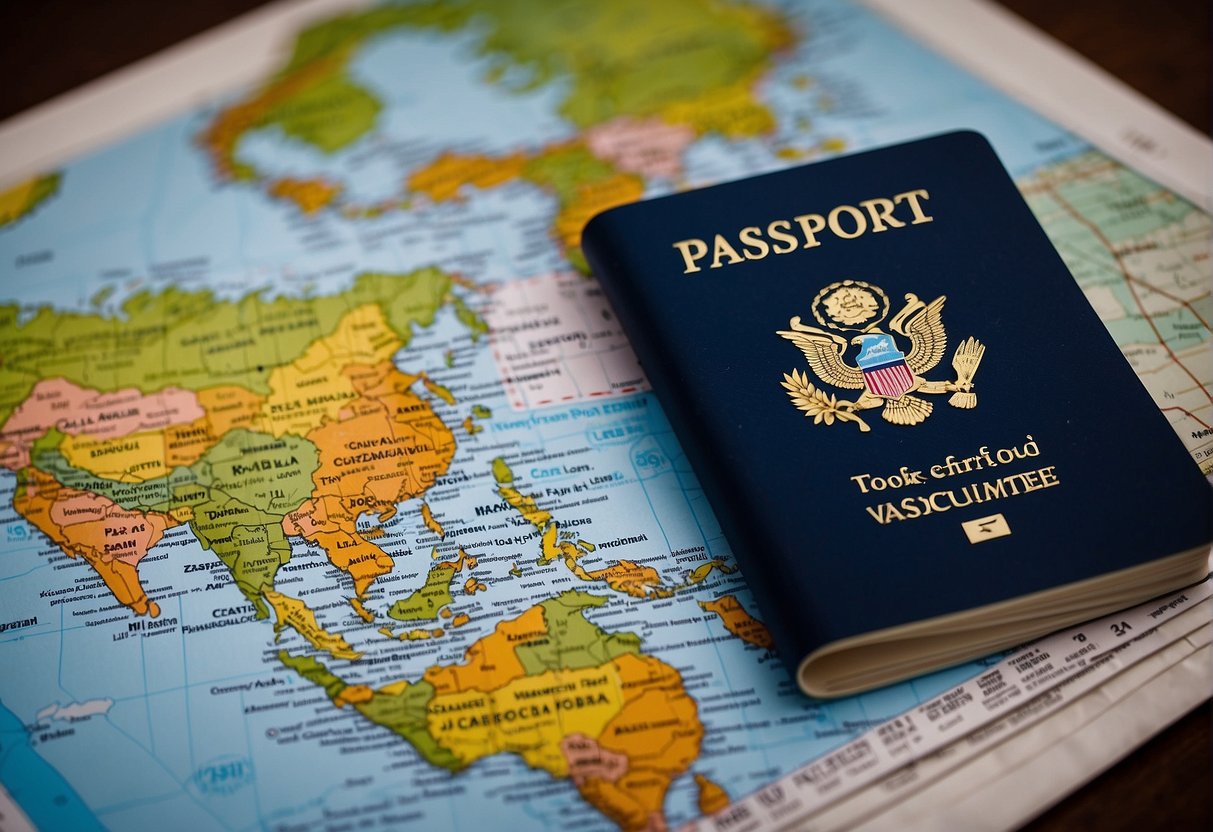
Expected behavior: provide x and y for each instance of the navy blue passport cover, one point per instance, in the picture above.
(1122, 488)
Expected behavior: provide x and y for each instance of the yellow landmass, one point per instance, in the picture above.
(525, 506)
(731, 111)
(293, 613)
(363, 613)
(700, 573)
(528, 717)
(833, 145)
(591, 198)
(137, 457)
(229, 407)
(441, 179)
(314, 389)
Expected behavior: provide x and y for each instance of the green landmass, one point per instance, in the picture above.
(268, 473)
(482, 412)
(248, 539)
(101, 296)
(402, 711)
(475, 324)
(628, 67)
(502, 472)
(20, 201)
(314, 671)
(566, 169)
(574, 641)
(328, 115)
(250, 542)
(194, 340)
(424, 604)
(179, 488)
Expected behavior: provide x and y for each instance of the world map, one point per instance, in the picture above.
(331, 492)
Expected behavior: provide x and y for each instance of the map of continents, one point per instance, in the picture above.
(423, 512)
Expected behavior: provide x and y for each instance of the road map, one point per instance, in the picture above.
(331, 493)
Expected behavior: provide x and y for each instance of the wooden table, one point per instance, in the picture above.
(1161, 48)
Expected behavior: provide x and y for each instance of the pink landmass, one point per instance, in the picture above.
(305, 521)
(587, 759)
(649, 147)
(131, 411)
(50, 402)
(57, 403)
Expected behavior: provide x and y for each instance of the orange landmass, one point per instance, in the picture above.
(437, 389)
(631, 578)
(441, 179)
(471, 586)
(712, 798)
(739, 622)
(658, 731)
(458, 563)
(491, 663)
(185, 444)
(591, 198)
(327, 522)
(353, 695)
(310, 195)
(388, 446)
(460, 620)
(110, 538)
(431, 523)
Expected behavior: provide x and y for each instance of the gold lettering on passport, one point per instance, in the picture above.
(970, 494)
(844, 222)
(1012, 485)
(888, 377)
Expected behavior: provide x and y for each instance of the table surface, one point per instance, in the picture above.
(1161, 49)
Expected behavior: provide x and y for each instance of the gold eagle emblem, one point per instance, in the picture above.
(886, 375)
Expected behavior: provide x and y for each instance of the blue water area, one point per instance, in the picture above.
(40, 791)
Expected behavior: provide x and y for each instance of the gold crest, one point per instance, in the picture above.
(887, 376)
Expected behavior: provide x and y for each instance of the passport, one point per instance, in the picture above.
(921, 443)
